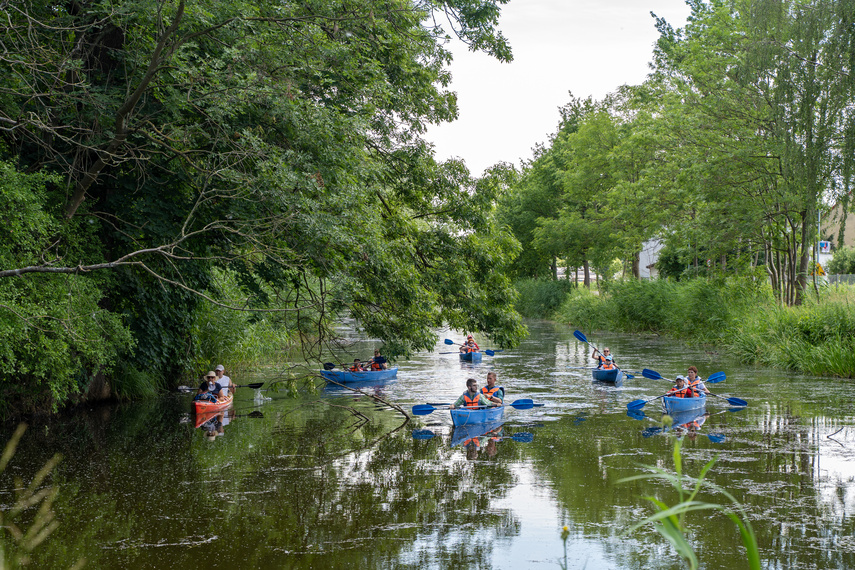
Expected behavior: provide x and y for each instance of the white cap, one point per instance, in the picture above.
(220, 367)
(680, 377)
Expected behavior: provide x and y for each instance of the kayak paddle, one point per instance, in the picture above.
(714, 378)
(254, 385)
(521, 404)
(583, 338)
(732, 401)
(638, 404)
(488, 352)
(422, 434)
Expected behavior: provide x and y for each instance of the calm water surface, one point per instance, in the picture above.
(342, 481)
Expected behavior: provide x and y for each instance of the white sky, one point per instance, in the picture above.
(587, 47)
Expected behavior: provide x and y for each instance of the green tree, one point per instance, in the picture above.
(760, 113)
(279, 142)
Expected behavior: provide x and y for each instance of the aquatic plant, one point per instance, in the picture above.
(669, 521)
(18, 542)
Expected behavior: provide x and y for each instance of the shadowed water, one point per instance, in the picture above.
(342, 481)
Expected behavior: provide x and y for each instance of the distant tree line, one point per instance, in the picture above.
(741, 136)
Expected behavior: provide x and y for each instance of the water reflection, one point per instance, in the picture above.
(342, 480)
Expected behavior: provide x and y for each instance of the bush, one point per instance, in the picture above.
(843, 262)
(539, 298)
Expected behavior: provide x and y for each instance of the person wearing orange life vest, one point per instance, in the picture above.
(681, 389)
(357, 366)
(602, 357)
(472, 397)
(608, 363)
(378, 362)
(695, 382)
(470, 345)
(494, 393)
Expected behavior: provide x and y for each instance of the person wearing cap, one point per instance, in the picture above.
(470, 345)
(209, 389)
(681, 389)
(602, 357)
(225, 381)
(608, 363)
(695, 382)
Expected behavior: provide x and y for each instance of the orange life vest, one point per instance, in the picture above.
(684, 393)
(355, 368)
(608, 365)
(489, 392)
(375, 366)
(472, 402)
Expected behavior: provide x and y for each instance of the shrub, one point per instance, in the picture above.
(540, 298)
(843, 261)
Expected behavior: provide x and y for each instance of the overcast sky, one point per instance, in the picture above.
(587, 47)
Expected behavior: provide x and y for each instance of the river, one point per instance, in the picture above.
(341, 481)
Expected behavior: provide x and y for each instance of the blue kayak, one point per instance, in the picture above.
(466, 416)
(344, 376)
(471, 356)
(677, 405)
(687, 417)
(613, 376)
(465, 433)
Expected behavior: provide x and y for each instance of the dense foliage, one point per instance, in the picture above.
(739, 139)
(150, 144)
(843, 261)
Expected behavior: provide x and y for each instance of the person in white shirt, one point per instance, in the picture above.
(224, 381)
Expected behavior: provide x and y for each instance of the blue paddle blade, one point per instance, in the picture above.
(422, 409)
(737, 402)
(651, 374)
(422, 434)
(580, 336)
(636, 404)
(716, 437)
(647, 432)
(490, 352)
(523, 437)
(449, 341)
(523, 401)
(628, 375)
(636, 414)
(716, 378)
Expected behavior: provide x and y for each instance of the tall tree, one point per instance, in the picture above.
(764, 90)
(280, 141)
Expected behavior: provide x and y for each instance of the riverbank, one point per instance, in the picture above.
(739, 316)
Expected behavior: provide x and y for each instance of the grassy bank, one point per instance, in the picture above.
(739, 316)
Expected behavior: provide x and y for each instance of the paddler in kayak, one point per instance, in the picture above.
(472, 397)
(209, 389)
(494, 393)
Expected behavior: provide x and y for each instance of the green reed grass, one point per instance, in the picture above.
(670, 520)
(739, 315)
(29, 520)
(239, 340)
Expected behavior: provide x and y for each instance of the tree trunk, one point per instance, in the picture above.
(587, 268)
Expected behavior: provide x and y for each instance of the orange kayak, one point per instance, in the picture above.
(220, 404)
